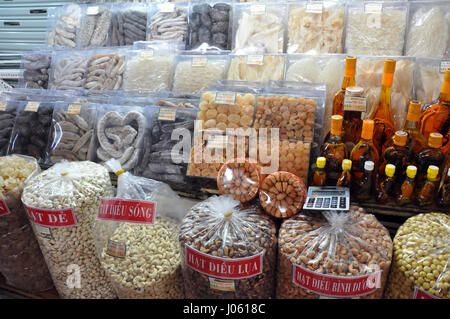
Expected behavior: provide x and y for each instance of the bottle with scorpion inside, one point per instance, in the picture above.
(346, 175)
(444, 196)
(363, 189)
(433, 155)
(396, 155)
(406, 193)
(320, 175)
(334, 150)
(385, 187)
(428, 191)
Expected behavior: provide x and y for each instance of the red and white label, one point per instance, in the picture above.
(4, 210)
(127, 210)
(225, 268)
(52, 218)
(335, 286)
(420, 294)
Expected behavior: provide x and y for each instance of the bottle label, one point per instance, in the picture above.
(53, 218)
(354, 103)
(224, 268)
(335, 286)
(420, 294)
(127, 210)
(221, 284)
(4, 210)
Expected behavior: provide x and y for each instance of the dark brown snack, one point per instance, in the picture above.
(282, 194)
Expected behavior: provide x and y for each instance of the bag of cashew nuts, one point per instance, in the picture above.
(228, 251)
(62, 203)
(21, 260)
(333, 255)
(136, 236)
(420, 267)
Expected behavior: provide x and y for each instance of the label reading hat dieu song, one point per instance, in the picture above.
(52, 218)
(224, 268)
(127, 210)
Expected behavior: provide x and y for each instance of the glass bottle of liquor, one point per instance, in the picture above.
(428, 191)
(433, 155)
(406, 194)
(396, 155)
(363, 189)
(349, 80)
(334, 150)
(444, 196)
(385, 187)
(346, 176)
(320, 175)
(354, 104)
(436, 116)
(384, 122)
(364, 151)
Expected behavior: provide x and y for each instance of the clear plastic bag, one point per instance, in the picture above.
(228, 251)
(36, 66)
(128, 24)
(260, 68)
(333, 254)
(239, 86)
(259, 28)
(7, 120)
(69, 70)
(420, 264)
(140, 252)
(21, 260)
(94, 26)
(63, 25)
(105, 70)
(428, 79)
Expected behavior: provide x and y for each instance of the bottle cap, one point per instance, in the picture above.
(367, 129)
(414, 111)
(369, 165)
(336, 124)
(346, 165)
(389, 170)
(388, 74)
(350, 66)
(354, 91)
(432, 172)
(321, 161)
(446, 84)
(400, 138)
(435, 140)
(411, 171)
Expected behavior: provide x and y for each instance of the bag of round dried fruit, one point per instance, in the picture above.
(337, 255)
(228, 251)
(21, 260)
(420, 267)
(136, 236)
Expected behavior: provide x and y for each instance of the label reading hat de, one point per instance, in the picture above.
(4, 210)
(53, 218)
(127, 210)
(420, 294)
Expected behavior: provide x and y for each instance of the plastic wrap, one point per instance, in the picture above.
(239, 86)
(7, 118)
(63, 26)
(218, 232)
(67, 197)
(168, 21)
(71, 132)
(105, 70)
(94, 26)
(258, 28)
(69, 70)
(429, 28)
(140, 252)
(348, 252)
(372, 30)
(196, 73)
(316, 29)
(428, 79)
(210, 23)
(36, 66)
(260, 68)
(128, 24)
(21, 260)
(120, 134)
(421, 259)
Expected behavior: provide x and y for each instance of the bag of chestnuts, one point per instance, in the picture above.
(333, 254)
(228, 251)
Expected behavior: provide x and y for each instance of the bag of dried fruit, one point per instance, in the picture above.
(21, 260)
(136, 236)
(337, 255)
(228, 251)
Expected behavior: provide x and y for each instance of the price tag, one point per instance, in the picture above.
(116, 249)
(217, 142)
(225, 98)
(92, 11)
(314, 7)
(3, 106)
(199, 61)
(166, 7)
(445, 64)
(258, 9)
(32, 106)
(221, 284)
(167, 113)
(355, 103)
(147, 54)
(74, 109)
(373, 8)
(255, 59)
(44, 232)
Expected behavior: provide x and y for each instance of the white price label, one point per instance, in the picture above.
(166, 7)
(32, 106)
(373, 8)
(199, 61)
(147, 54)
(255, 59)
(258, 9)
(314, 7)
(3, 106)
(225, 98)
(445, 64)
(92, 11)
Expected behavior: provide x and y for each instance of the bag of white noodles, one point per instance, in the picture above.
(136, 237)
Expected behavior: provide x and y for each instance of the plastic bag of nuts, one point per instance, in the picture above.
(339, 255)
(21, 260)
(420, 267)
(228, 251)
(62, 202)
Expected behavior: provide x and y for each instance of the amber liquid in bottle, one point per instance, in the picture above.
(320, 175)
(406, 194)
(385, 187)
(428, 191)
(431, 156)
(346, 175)
(363, 189)
(396, 155)
(334, 150)
(436, 116)
(384, 122)
(444, 196)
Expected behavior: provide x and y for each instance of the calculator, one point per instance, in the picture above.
(327, 198)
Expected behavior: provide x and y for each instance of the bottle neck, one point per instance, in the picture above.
(444, 98)
(348, 82)
(412, 126)
(365, 141)
(384, 108)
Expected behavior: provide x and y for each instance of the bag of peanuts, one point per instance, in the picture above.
(136, 236)
(21, 260)
(228, 251)
(62, 202)
(420, 267)
(337, 255)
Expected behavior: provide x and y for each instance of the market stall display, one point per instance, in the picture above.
(69, 70)
(64, 24)
(168, 21)
(36, 67)
(260, 68)
(105, 71)
(94, 26)
(128, 24)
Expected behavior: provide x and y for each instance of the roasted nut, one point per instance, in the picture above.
(282, 194)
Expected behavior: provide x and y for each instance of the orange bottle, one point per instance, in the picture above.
(433, 155)
(349, 80)
(435, 116)
(396, 155)
(320, 175)
(384, 122)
